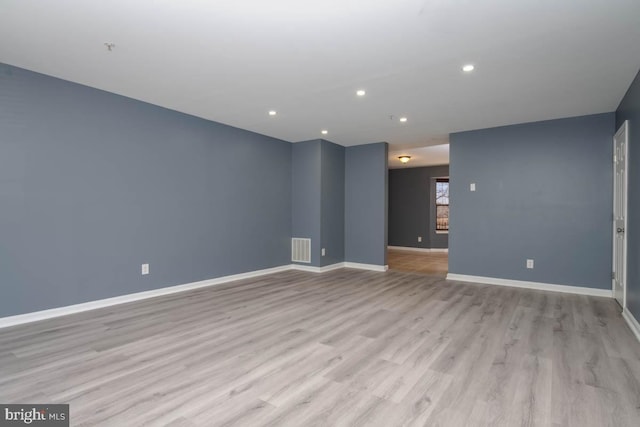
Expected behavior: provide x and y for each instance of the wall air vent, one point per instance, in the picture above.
(300, 250)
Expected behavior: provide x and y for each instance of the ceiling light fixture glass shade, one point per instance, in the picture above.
(273, 112)
(403, 119)
(404, 159)
(361, 92)
(468, 68)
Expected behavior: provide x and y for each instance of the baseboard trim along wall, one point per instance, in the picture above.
(356, 265)
(313, 269)
(36, 316)
(632, 322)
(371, 267)
(122, 299)
(579, 290)
(411, 249)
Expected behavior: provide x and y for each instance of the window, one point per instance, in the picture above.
(442, 205)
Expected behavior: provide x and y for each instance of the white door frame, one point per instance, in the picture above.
(623, 128)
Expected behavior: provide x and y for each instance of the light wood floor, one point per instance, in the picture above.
(433, 263)
(344, 348)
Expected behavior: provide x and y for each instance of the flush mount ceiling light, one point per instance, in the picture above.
(361, 92)
(273, 112)
(404, 159)
(403, 119)
(468, 68)
(324, 131)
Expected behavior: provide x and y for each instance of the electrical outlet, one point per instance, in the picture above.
(324, 252)
(145, 269)
(419, 239)
(529, 263)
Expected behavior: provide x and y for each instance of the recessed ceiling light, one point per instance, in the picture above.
(403, 119)
(468, 68)
(361, 92)
(273, 112)
(404, 159)
(324, 131)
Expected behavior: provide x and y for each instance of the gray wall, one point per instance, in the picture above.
(543, 192)
(366, 182)
(332, 206)
(629, 109)
(307, 194)
(93, 184)
(318, 198)
(412, 207)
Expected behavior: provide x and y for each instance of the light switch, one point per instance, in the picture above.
(472, 186)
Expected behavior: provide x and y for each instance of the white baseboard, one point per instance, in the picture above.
(632, 322)
(357, 265)
(371, 267)
(410, 249)
(20, 319)
(313, 269)
(532, 285)
(122, 299)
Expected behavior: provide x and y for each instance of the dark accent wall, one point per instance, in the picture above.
(332, 206)
(307, 194)
(366, 182)
(629, 109)
(94, 184)
(544, 192)
(412, 207)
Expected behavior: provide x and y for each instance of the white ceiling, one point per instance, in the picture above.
(233, 60)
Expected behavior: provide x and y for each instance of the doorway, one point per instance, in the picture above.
(419, 220)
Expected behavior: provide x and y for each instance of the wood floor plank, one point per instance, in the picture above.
(345, 348)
